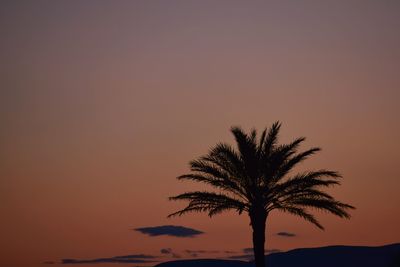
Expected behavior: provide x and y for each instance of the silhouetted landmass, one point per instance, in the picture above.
(205, 263)
(332, 256)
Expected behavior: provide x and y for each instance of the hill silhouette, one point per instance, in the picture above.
(332, 256)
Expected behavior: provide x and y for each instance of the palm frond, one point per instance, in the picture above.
(272, 138)
(217, 182)
(216, 172)
(302, 184)
(247, 147)
(210, 202)
(256, 176)
(329, 205)
(290, 162)
(246, 144)
(261, 141)
(279, 155)
(305, 180)
(300, 213)
(226, 157)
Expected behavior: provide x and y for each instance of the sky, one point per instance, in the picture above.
(104, 103)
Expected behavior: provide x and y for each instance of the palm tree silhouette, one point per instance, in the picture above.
(257, 178)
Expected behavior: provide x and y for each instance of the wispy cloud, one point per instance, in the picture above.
(166, 251)
(286, 234)
(137, 258)
(196, 253)
(169, 230)
(202, 251)
(169, 251)
(247, 250)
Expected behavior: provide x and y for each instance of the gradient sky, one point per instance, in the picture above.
(103, 103)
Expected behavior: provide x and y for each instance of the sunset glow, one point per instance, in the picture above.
(104, 103)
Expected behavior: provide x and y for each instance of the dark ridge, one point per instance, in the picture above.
(204, 263)
(331, 256)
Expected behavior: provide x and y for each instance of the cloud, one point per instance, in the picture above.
(195, 253)
(136, 258)
(247, 250)
(170, 230)
(286, 234)
(201, 251)
(166, 251)
(169, 251)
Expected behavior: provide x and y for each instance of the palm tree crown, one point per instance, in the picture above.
(257, 178)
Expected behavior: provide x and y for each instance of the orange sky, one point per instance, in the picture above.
(103, 104)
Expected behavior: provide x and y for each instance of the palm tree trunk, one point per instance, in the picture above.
(258, 223)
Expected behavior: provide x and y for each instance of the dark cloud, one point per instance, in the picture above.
(195, 253)
(247, 250)
(169, 251)
(170, 230)
(137, 258)
(286, 234)
(166, 251)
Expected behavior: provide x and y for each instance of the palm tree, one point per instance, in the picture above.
(257, 178)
